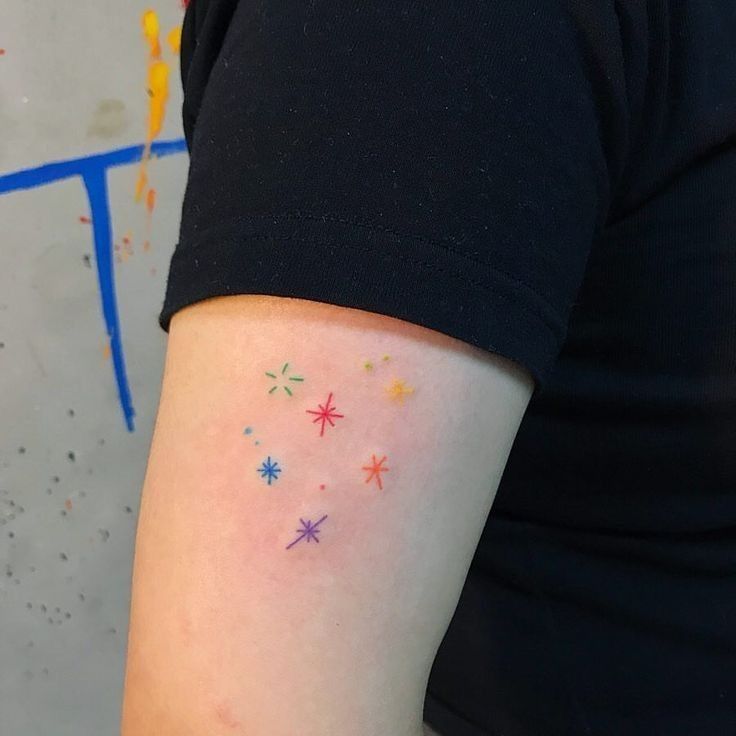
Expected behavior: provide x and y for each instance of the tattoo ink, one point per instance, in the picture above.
(398, 390)
(375, 469)
(325, 414)
(269, 470)
(308, 530)
(282, 380)
(249, 431)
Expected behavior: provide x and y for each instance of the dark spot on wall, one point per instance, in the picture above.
(70, 412)
(104, 534)
(81, 596)
(56, 479)
(67, 615)
(87, 260)
(128, 510)
(21, 450)
(110, 119)
(63, 556)
(72, 457)
(11, 534)
(29, 605)
(43, 607)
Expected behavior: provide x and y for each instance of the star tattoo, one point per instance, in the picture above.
(308, 530)
(398, 390)
(269, 470)
(375, 469)
(283, 377)
(325, 414)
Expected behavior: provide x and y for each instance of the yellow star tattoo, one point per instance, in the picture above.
(398, 390)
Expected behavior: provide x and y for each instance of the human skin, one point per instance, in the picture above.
(236, 628)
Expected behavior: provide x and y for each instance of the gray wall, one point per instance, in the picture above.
(73, 83)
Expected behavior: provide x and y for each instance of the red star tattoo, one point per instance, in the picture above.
(375, 469)
(325, 414)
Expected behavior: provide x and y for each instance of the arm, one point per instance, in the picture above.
(236, 628)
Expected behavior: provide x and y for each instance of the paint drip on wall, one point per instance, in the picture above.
(157, 86)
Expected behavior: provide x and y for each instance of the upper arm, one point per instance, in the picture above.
(234, 629)
(447, 168)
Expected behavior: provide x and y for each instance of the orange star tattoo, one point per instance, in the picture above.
(375, 469)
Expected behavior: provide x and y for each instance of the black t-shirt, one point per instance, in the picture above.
(553, 181)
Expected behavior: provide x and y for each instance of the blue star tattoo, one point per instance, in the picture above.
(269, 470)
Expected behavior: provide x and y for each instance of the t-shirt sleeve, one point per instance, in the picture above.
(449, 164)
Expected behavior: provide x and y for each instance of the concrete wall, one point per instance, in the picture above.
(78, 333)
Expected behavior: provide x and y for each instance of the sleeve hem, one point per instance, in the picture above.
(367, 267)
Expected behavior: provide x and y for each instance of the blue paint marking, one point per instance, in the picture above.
(93, 172)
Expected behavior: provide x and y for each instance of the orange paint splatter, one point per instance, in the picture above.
(147, 246)
(126, 238)
(86, 220)
(68, 504)
(106, 352)
(2, 52)
(174, 39)
(151, 200)
(142, 181)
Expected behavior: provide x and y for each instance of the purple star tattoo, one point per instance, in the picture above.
(307, 530)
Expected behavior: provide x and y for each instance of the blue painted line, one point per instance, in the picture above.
(93, 172)
(95, 182)
(58, 170)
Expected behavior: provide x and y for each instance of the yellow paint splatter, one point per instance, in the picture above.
(158, 90)
(106, 351)
(151, 200)
(398, 390)
(174, 39)
(151, 31)
(386, 358)
(158, 95)
(368, 365)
